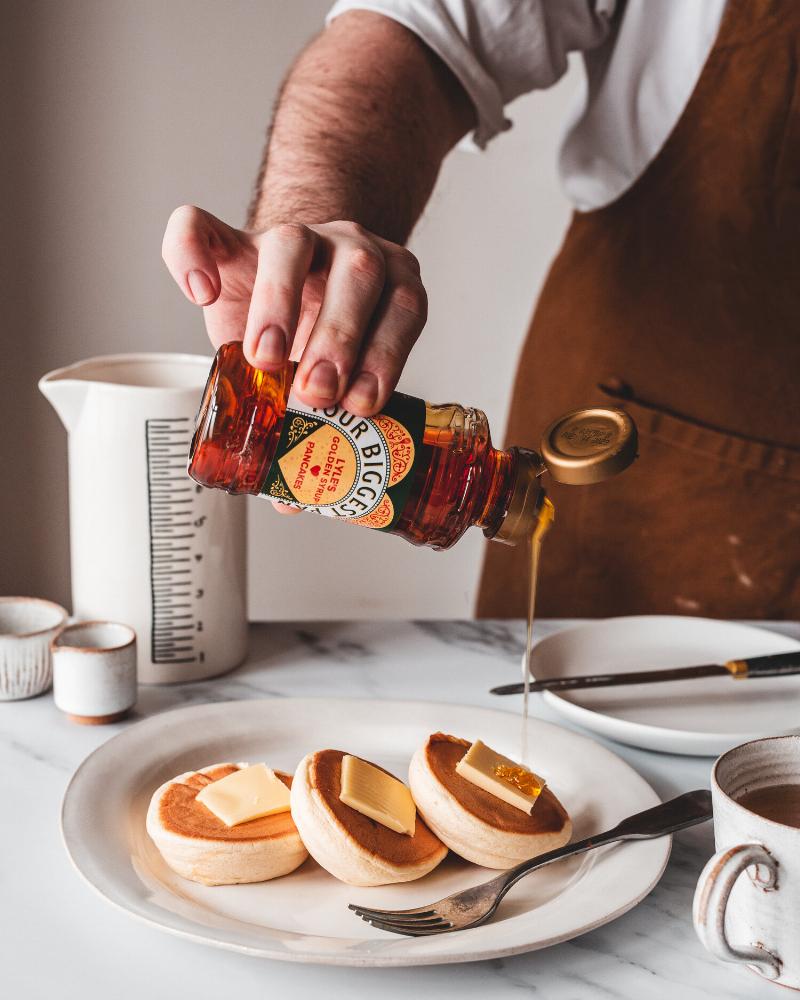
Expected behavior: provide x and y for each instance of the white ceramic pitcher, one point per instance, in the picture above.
(148, 546)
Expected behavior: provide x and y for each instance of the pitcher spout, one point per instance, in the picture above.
(65, 393)
(140, 373)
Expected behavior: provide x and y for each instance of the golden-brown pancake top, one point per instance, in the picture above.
(180, 812)
(443, 752)
(325, 775)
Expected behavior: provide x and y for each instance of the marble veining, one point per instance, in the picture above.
(58, 938)
(506, 638)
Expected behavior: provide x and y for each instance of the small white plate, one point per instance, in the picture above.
(702, 717)
(303, 917)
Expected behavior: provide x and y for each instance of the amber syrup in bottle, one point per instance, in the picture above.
(422, 471)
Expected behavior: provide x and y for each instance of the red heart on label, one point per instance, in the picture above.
(314, 470)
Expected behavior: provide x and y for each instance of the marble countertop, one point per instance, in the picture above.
(59, 938)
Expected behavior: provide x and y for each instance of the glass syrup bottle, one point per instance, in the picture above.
(422, 471)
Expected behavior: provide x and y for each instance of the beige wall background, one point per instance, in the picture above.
(114, 112)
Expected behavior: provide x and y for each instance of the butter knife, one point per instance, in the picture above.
(775, 665)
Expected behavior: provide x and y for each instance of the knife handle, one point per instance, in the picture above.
(767, 666)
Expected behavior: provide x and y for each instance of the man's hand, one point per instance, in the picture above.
(348, 305)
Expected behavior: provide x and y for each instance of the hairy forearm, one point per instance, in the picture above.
(363, 122)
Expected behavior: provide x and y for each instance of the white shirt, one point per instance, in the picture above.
(642, 60)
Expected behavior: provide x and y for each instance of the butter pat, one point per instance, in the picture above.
(246, 794)
(500, 776)
(377, 795)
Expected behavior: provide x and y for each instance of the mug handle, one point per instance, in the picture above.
(711, 900)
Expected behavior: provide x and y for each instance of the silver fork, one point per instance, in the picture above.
(476, 905)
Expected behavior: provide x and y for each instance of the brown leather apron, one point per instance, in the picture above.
(681, 302)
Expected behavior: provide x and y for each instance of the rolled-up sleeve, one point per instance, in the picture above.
(498, 49)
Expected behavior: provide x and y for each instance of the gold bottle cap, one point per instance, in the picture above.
(588, 446)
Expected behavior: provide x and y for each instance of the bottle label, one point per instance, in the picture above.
(339, 465)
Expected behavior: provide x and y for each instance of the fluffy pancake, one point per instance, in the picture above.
(473, 822)
(199, 846)
(355, 849)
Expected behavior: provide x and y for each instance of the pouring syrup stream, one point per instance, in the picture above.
(543, 522)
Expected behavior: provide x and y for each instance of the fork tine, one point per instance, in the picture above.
(410, 930)
(425, 922)
(419, 911)
(392, 914)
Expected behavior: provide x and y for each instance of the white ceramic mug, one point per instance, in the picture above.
(27, 627)
(94, 671)
(747, 902)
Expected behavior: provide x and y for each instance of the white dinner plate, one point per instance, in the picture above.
(702, 717)
(303, 917)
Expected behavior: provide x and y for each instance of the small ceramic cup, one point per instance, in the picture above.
(94, 671)
(753, 918)
(27, 627)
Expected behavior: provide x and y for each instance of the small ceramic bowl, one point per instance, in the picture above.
(27, 627)
(94, 671)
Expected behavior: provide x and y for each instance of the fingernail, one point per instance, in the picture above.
(271, 347)
(200, 286)
(323, 380)
(364, 391)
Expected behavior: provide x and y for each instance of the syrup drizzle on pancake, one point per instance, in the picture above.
(443, 752)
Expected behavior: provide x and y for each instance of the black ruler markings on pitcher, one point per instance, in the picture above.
(173, 633)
